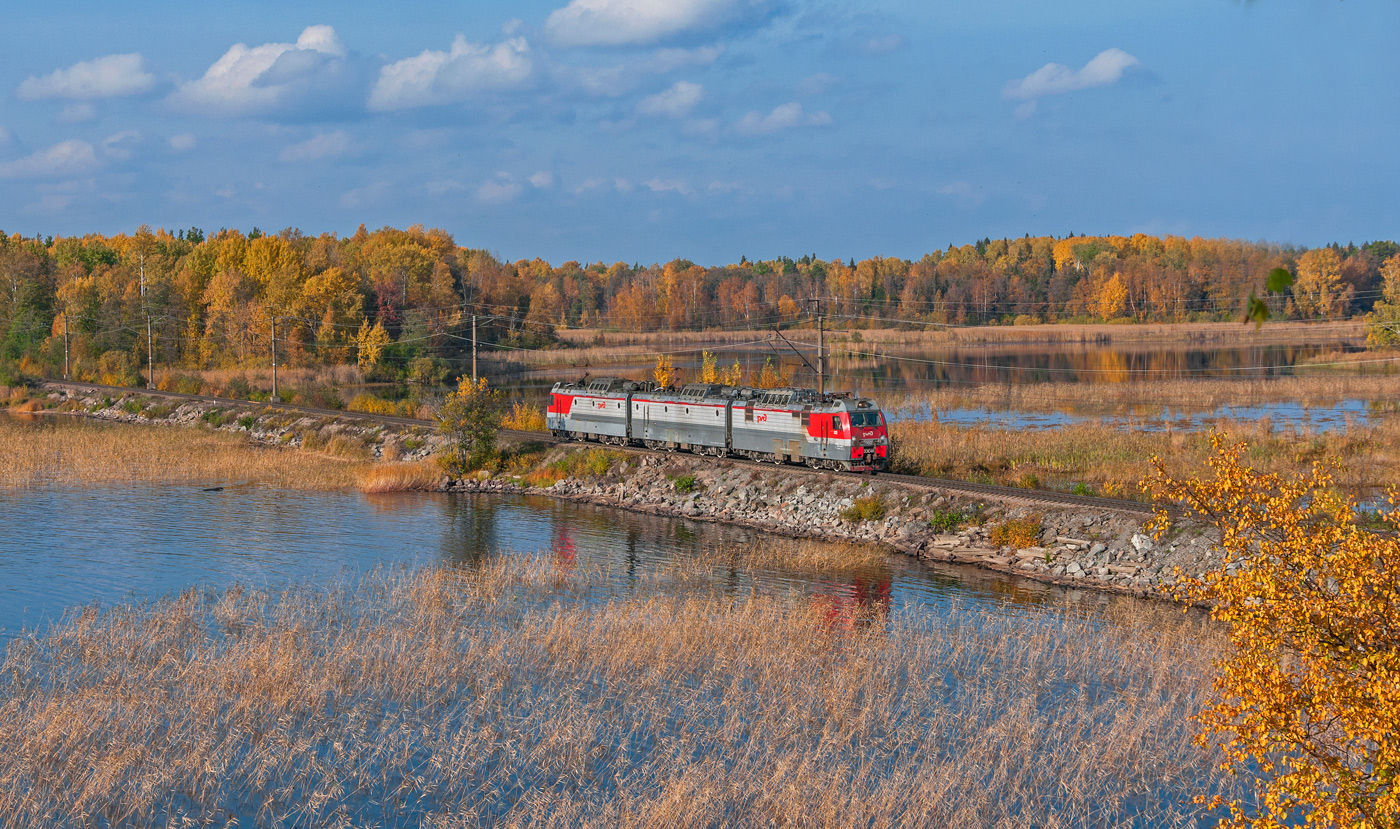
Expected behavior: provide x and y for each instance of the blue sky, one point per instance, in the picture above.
(646, 130)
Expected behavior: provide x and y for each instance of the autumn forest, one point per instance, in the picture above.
(389, 297)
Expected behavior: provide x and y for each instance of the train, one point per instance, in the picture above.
(785, 425)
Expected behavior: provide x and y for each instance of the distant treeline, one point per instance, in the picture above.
(389, 296)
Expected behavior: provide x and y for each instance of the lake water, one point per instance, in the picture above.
(72, 547)
(896, 369)
(893, 372)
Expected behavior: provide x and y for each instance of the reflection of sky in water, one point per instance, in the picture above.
(1338, 416)
(67, 548)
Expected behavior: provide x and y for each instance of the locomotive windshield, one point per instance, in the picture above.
(865, 419)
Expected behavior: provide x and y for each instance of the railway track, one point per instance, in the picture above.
(1027, 496)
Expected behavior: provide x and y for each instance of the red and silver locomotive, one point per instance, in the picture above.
(788, 425)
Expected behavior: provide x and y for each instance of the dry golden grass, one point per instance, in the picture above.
(1149, 399)
(501, 697)
(1187, 332)
(1112, 460)
(417, 476)
(803, 556)
(72, 452)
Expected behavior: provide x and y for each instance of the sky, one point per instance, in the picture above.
(649, 130)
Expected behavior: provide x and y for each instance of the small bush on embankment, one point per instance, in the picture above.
(523, 418)
(1017, 532)
(586, 463)
(947, 520)
(865, 508)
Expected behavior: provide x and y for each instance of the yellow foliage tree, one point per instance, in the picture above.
(1309, 696)
(733, 375)
(370, 343)
(772, 377)
(1113, 296)
(709, 371)
(1318, 289)
(469, 418)
(665, 373)
(1384, 319)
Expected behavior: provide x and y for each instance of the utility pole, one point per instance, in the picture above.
(821, 349)
(65, 343)
(150, 345)
(473, 348)
(274, 359)
(150, 356)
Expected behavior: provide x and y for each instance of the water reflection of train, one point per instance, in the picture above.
(788, 425)
(853, 605)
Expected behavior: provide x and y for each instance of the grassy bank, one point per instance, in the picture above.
(71, 452)
(1149, 399)
(1104, 459)
(58, 450)
(462, 698)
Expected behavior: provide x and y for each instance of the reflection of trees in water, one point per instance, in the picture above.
(859, 367)
(472, 532)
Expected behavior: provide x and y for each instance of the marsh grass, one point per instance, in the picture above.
(504, 697)
(804, 556)
(1149, 399)
(1109, 460)
(416, 476)
(1189, 332)
(73, 452)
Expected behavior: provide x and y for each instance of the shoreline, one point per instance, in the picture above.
(1048, 543)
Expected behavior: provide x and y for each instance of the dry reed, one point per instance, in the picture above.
(418, 476)
(1112, 460)
(1183, 333)
(1151, 399)
(502, 697)
(71, 452)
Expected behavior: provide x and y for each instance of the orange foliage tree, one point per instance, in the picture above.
(1309, 697)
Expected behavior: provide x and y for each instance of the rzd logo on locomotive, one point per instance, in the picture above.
(760, 418)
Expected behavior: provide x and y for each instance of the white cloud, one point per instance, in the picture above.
(435, 77)
(1106, 68)
(112, 76)
(621, 22)
(782, 117)
(543, 180)
(965, 194)
(622, 185)
(76, 113)
(182, 143)
(502, 188)
(299, 78)
(66, 158)
(372, 193)
(50, 204)
(676, 102)
(619, 79)
(882, 45)
(325, 145)
(818, 84)
(588, 184)
(658, 185)
(122, 145)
